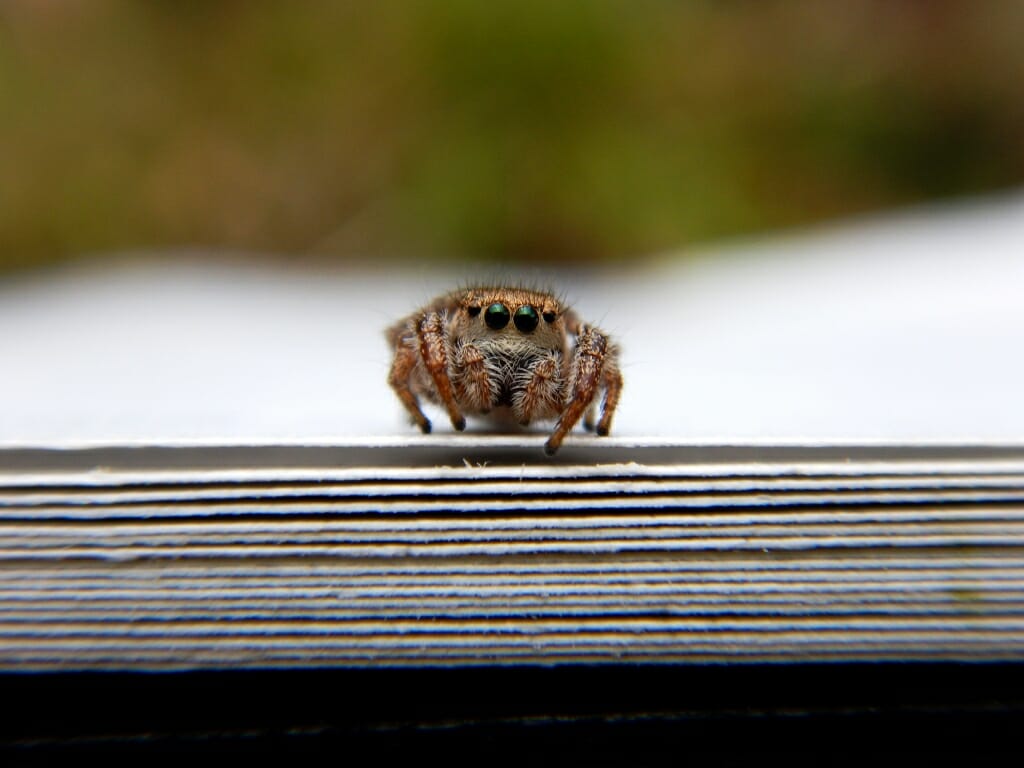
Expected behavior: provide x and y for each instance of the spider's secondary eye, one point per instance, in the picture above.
(549, 317)
(497, 316)
(473, 311)
(526, 318)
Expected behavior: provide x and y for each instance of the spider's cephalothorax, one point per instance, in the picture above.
(478, 350)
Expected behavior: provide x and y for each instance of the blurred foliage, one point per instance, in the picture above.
(528, 130)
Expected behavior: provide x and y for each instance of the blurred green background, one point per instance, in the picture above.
(530, 130)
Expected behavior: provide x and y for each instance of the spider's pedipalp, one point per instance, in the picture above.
(473, 378)
(539, 391)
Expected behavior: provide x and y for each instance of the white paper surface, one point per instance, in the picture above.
(904, 329)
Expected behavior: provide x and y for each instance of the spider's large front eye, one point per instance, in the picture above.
(526, 318)
(497, 316)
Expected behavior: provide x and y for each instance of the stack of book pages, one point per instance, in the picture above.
(476, 552)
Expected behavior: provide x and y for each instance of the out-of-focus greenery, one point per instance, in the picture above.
(535, 129)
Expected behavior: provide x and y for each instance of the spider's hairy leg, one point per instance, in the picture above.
(612, 383)
(401, 368)
(473, 381)
(541, 393)
(434, 353)
(588, 363)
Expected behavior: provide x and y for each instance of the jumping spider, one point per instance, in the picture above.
(505, 350)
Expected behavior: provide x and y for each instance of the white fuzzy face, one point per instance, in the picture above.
(516, 333)
(508, 329)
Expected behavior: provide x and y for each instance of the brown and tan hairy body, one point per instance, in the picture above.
(498, 350)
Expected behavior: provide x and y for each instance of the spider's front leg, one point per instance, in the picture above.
(594, 367)
(402, 367)
(434, 346)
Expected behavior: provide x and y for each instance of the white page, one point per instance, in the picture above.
(907, 328)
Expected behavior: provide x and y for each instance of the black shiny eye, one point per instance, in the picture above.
(526, 318)
(497, 316)
(549, 317)
(473, 311)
